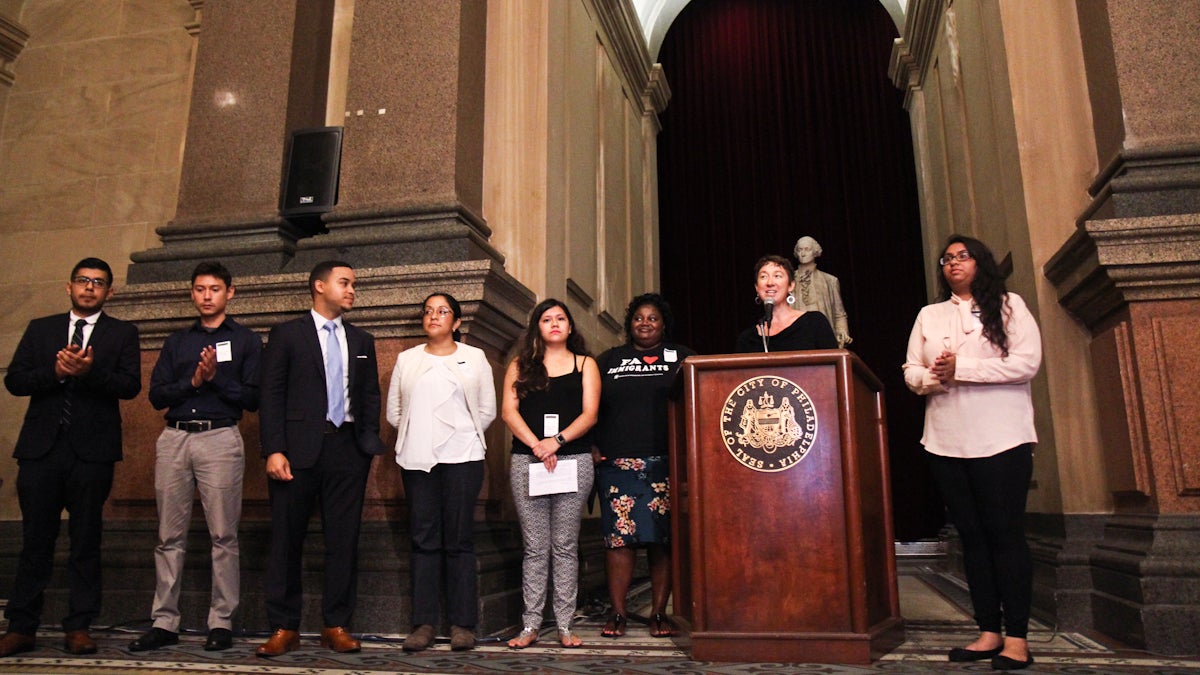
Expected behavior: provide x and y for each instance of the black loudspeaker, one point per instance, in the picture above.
(313, 162)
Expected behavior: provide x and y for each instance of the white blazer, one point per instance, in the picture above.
(475, 376)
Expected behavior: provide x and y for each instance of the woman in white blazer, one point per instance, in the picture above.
(441, 400)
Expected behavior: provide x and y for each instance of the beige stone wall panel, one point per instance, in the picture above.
(52, 22)
(582, 97)
(130, 199)
(65, 158)
(57, 111)
(145, 55)
(34, 208)
(1052, 115)
(147, 101)
(140, 16)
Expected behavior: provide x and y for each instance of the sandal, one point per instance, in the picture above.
(525, 638)
(569, 639)
(615, 627)
(660, 626)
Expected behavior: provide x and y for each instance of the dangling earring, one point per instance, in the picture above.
(791, 299)
(757, 300)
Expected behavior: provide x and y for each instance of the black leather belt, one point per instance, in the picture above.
(196, 426)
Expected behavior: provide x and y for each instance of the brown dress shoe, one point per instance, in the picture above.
(419, 639)
(15, 643)
(461, 638)
(281, 642)
(337, 639)
(79, 642)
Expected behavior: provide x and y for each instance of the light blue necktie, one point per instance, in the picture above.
(333, 376)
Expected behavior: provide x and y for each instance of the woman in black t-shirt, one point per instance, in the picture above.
(551, 395)
(631, 455)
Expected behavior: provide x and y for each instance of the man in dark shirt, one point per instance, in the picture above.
(68, 445)
(206, 375)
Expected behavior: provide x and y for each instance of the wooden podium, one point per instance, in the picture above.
(781, 516)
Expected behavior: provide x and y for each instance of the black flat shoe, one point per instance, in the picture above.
(960, 655)
(155, 638)
(219, 639)
(1005, 663)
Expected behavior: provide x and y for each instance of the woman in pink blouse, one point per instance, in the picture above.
(972, 356)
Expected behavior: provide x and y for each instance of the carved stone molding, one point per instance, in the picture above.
(621, 32)
(193, 26)
(910, 58)
(1147, 181)
(13, 38)
(494, 304)
(1109, 263)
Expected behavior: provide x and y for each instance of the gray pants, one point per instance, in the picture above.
(214, 462)
(550, 527)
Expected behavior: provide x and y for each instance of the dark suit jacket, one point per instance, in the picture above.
(292, 407)
(95, 431)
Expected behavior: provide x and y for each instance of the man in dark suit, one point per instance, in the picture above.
(66, 450)
(319, 419)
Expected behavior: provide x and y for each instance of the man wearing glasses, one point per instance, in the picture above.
(68, 445)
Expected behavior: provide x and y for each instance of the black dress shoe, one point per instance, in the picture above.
(218, 639)
(1005, 663)
(155, 638)
(960, 655)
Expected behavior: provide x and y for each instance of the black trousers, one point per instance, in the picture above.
(45, 486)
(337, 481)
(985, 500)
(441, 520)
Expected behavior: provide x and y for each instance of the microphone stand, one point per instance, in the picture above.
(768, 312)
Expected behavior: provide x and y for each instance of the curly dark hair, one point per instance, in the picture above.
(987, 289)
(660, 304)
(531, 370)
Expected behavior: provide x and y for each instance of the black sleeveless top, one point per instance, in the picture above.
(564, 396)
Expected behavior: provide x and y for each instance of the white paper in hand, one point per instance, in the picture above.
(564, 479)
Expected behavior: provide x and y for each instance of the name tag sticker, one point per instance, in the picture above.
(549, 425)
(224, 351)
(670, 355)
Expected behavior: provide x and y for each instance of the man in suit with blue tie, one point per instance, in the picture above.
(319, 420)
(68, 445)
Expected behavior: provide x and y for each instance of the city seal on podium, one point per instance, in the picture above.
(768, 423)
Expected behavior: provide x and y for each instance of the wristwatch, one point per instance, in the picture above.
(561, 441)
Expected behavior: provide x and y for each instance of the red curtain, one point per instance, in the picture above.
(783, 123)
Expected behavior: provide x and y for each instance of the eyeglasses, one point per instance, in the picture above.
(962, 256)
(98, 282)
(440, 311)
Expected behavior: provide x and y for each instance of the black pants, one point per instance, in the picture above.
(337, 481)
(45, 486)
(985, 499)
(441, 507)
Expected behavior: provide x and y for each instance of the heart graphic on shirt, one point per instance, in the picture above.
(649, 359)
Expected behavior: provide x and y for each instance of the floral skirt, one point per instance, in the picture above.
(635, 501)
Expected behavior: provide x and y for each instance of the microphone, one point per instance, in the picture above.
(768, 311)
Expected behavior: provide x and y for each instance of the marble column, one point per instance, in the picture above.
(412, 161)
(254, 80)
(1131, 274)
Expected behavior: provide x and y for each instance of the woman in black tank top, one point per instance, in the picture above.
(550, 400)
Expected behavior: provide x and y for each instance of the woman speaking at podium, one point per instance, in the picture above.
(972, 357)
(782, 328)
